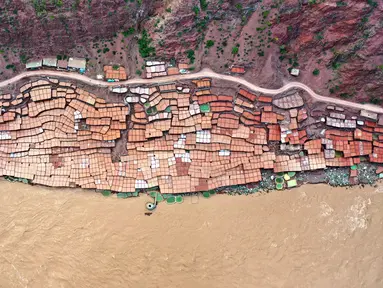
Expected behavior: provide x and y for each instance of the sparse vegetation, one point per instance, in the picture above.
(75, 5)
(40, 7)
(334, 89)
(238, 6)
(316, 72)
(129, 32)
(23, 58)
(376, 101)
(319, 35)
(282, 49)
(345, 95)
(335, 65)
(265, 14)
(341, 4)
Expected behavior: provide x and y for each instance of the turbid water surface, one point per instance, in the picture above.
(313, 236)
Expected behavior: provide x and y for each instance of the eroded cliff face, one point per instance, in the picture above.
(337, 45)
(56, 26)
(341, 39)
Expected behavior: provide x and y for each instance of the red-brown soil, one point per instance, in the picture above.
(342, 39)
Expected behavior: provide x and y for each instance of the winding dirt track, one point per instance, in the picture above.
(203, 73)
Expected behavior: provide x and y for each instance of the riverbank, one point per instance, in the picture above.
(311, 236)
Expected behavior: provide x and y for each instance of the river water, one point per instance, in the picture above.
(313, 236)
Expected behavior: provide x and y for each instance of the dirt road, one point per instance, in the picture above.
(203, 73)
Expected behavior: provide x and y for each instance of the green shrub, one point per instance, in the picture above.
(57, 3)
(169, 10)
(203, 4)
(319, 35)
(191, 56)
(138, 72)
(282, 49)
(316, 72)
(144, 45)
(376, 101)
(209, 43)
(335, 65)
(235, 50)
(373, 4)
(195, 10)
(11, 66)
(105, 50)
(238, 6)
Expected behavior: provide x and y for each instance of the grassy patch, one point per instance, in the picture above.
(265, 14)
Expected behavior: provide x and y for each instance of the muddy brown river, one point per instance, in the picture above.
(313, 236)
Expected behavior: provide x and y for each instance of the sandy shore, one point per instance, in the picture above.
(312, 236)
